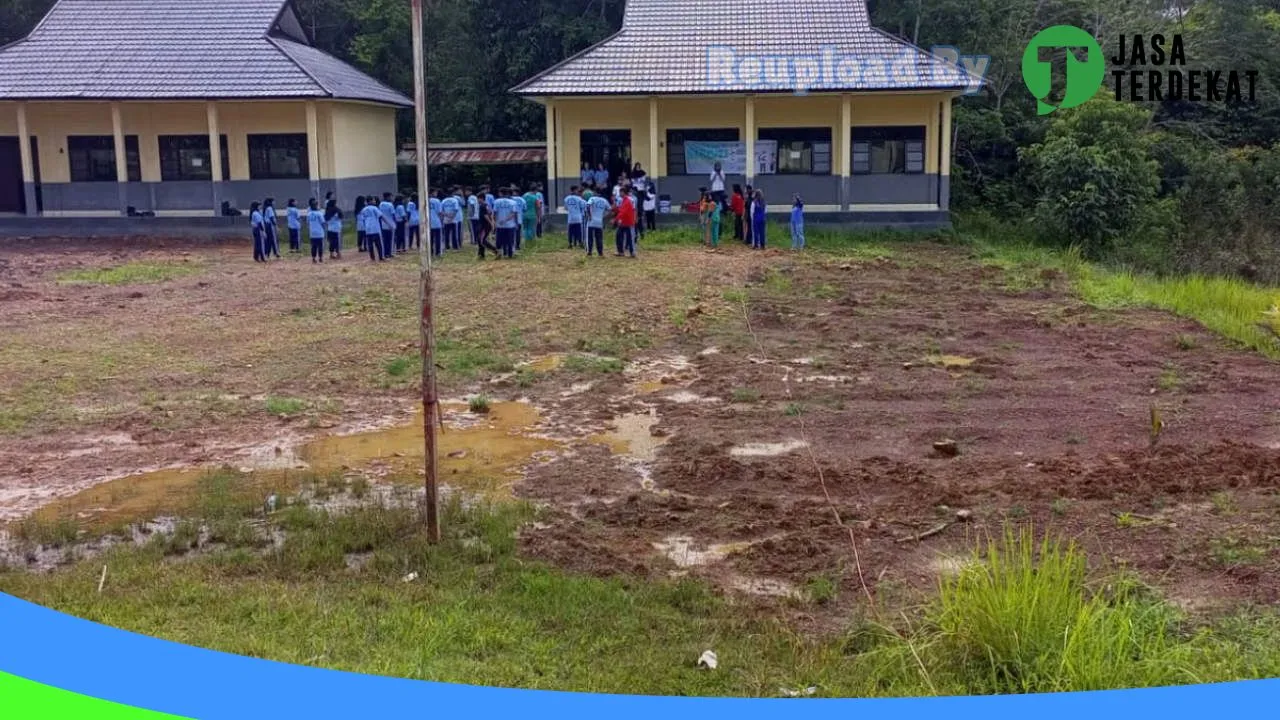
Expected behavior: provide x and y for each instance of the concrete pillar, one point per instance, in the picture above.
(751, 139)
(313, 148)
(944, 170)
(846, 150)
(552, 151)
(215, 157)
(28, 163)
(122, 158)
(653, 140)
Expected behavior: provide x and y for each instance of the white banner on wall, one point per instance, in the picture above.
(700, 157)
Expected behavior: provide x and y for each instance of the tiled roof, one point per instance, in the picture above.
(175, 49)
(684, 46)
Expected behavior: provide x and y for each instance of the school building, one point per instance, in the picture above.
(795, 96)
(179, 107)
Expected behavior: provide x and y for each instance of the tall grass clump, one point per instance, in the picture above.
(1022, 619)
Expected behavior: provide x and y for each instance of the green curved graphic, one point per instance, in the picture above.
(1084, 77)
(26, 700)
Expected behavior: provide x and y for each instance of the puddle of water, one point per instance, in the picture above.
(545, 364)
(681, 551)
(950, 362)
(649, 387)
(767, 449)
(632, 435)
(483, 458)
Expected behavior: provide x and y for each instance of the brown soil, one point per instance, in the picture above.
(861, 364)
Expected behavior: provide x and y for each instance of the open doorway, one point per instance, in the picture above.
(610, 148)
(13, 196)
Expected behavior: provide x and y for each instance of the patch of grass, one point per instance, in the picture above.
(745, 395)
(821, 589)
(1126, 520)
(590, 364)
(133, 273)
(794, 410)
(58, 532)
(1169, 380)
(479, 404)
(1234, 552)
(777, 282)
(1224, 503)
(401, 366)
(1060, 507)
(285, 405)
(1184, 342)
(737, 296)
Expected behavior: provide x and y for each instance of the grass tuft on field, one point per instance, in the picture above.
(133, 273)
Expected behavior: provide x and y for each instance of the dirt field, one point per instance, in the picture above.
(694, 412)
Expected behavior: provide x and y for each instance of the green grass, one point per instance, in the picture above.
(479, 404)
(1023, 616)
(587, 364)
(1231, 307)
(745, 395)
(285, 405)
(134, 273)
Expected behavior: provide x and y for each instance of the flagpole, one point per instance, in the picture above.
(430, 401)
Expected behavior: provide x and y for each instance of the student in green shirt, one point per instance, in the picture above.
(714, 222)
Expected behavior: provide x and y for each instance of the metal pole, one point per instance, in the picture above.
(430, 402)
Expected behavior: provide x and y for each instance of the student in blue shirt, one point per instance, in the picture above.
(333, 224)
(315, 230)
(459, 217)
(271, 232)
(597, 208)
(797, 223)
(356, 209)
(602, 177)
(489, 199)
(542, 207)
(587, 177)
(388, 210)
(371, 220)
(255, 223)
(522, 205)
(575, 208)
(758, 208)
(294, 221)
(506, 213)
(473, 215)
(402, 223)
(415, 222)
(435, 227)
(450, 213)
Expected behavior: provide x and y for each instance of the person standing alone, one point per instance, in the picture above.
(597, 210)
(625, 237)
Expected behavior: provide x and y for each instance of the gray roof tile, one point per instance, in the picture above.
(666, 46)
(174, 49)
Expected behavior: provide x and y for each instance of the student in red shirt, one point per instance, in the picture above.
(738, 206)
(625, 218)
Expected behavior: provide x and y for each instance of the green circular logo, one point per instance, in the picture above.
(1084, 77)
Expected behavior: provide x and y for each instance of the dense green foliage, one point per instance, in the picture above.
(1169, 187)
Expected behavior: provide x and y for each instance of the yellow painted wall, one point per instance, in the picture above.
(676, 113)
(576, 115)
(354, 139)
(364, 140)
(873, 109)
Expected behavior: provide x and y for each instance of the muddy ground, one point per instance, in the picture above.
(762, 396)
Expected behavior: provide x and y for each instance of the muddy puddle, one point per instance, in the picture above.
(480, 453)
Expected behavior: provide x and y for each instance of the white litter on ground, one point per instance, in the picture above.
(767, 449)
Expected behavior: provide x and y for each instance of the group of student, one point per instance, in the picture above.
(321, 225)
(748, 208)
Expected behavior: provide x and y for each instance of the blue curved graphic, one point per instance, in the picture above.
(79, 656)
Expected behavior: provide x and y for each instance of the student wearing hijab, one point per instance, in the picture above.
(256, 224)
(413, 217)
(402, 223)
(797, 223)
(370, 219)
(270, 229)
(388, 210)
(588, 178)
(601, 178)
(532, 211)
(355, 213)
(542, 207)
(315, 230)
(294, 220)
(333, 225)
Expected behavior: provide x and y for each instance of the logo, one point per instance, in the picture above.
(729, 69)
(1084, 77)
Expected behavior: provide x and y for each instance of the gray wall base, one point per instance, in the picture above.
(29, 191)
